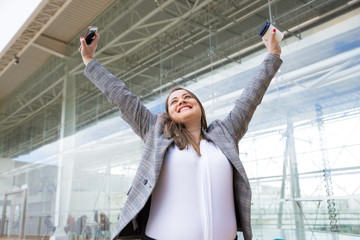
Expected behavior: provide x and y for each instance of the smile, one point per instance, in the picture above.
(185, 106)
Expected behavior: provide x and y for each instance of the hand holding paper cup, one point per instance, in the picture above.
(266, 30)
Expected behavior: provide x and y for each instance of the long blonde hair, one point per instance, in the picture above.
(172, 129)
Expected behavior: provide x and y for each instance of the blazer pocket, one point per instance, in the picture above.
(129, 191)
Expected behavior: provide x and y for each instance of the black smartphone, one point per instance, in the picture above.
(90, 34)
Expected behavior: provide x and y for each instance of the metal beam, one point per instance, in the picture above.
(32, 31)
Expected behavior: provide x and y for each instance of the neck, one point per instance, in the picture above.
(195, 133)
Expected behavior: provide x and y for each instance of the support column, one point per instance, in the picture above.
(334, 227)
(66, 155)
(290, 155)
(108, 189)
(282, 191)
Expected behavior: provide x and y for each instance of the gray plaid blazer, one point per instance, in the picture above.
(226, 134)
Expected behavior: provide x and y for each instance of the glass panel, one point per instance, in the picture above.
(13, 213)
(301, 151)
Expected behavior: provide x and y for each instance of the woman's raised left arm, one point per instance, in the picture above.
(238, 119)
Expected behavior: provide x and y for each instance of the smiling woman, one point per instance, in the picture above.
(190, 175)
(15, 17)
(186, 119)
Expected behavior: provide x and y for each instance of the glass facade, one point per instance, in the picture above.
(301, 151)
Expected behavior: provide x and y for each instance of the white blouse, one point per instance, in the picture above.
(194, 196)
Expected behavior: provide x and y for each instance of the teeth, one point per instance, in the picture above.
(184, 108)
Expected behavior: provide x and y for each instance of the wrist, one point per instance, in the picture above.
(87, 60)
(275, 53)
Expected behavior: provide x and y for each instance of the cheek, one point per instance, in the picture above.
(171, 110)
(198, 109)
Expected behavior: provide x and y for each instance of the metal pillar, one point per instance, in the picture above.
(66, 157)
(270, 15)
(282, 191)
(290, 155)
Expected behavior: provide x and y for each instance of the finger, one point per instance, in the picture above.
(82, 41)
(96, 39)
(266, 42)
(80, 48)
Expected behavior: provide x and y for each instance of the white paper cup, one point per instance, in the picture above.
(266, 30)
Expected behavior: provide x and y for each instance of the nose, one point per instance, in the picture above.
(181, 101)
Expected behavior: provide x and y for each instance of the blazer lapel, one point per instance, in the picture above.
(160, 152)
(230, 153)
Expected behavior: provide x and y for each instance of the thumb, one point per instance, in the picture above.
(272, 36)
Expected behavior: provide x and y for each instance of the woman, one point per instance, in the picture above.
(102, 230)
(190, 183)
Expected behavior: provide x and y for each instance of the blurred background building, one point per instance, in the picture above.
(67, 159)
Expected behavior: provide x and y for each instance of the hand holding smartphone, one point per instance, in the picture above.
(90, 34)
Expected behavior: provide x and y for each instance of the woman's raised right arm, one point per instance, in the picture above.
(132, 110)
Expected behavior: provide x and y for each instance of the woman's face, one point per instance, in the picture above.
(183, 107)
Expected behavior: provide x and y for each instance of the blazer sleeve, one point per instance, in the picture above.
(238, 119)
(131, 109)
